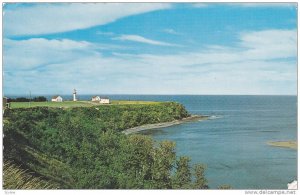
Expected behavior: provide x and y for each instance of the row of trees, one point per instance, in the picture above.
(82, 148)
(24, 99)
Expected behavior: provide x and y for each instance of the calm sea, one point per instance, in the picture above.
(232, 144)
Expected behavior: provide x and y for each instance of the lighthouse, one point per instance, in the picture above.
(74, 95)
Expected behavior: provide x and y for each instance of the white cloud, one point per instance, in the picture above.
(273, 37)
(40, 52)
(247, 5)
(253, 46)
(263, 62)
(105, 33)
(283, 5)
(170, 31)
(46, 18)
(200, 5)
(140, 39)
(270, 44)
(259, 65)
(54, 66)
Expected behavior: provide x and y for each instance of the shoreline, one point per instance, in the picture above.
(164, 124)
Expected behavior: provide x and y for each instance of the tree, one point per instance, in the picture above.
(200, 182)
(39, 99)
(182, 178)
(19, 99)
(164, 157)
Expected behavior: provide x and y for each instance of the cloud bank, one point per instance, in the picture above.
(262, 62)
(47, 18)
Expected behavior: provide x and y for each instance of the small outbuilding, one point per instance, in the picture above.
(104, 100)
(57, 98)
(5, 102)
(95, 98)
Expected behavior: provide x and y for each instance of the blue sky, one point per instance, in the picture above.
(150, 48)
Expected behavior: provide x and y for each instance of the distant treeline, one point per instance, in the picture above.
(24, 99)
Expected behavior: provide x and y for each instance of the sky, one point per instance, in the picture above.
(150, 48)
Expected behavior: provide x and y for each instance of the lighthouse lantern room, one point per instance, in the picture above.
(74, 95)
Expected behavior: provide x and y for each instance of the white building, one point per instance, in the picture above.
(74, 95)
(56, 99)
(104, 100)
(95, 98)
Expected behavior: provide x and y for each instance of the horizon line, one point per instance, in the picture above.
(33, 94)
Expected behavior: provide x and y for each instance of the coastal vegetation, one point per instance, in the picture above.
(83, 148)
(24, 99)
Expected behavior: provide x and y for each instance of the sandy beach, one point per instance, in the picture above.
(164, 124)
(284, 144)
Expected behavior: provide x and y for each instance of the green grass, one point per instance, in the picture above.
(16, 178)
(65, 104)
(71, 104)
(122, 102)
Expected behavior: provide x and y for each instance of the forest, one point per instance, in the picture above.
(24, 99)
(84, 148)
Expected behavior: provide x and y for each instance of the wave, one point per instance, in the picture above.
(214, 117)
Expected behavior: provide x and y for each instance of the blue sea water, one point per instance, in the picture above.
(233, 143)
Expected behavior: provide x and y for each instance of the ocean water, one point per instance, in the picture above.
(232, 144)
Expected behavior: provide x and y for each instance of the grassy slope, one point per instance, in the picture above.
(122, 102)
(17, 178)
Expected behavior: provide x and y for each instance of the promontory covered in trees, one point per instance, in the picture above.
(84, 148)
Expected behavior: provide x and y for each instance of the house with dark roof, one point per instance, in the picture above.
(57, 98)
(95, 98)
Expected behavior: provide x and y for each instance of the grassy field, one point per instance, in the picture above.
(71, 104)
(65, 104)
(114, 102)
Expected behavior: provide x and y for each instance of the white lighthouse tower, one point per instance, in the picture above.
(74, 95)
